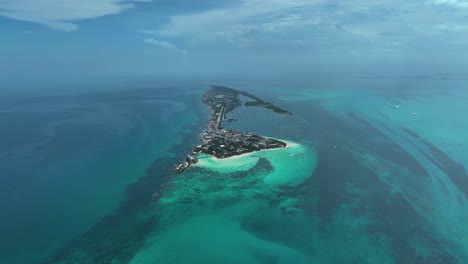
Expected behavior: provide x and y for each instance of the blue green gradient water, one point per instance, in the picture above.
(86, 178)
(68, 160)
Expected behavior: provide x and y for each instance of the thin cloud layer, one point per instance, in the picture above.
(253, 35)
(164, 44)
(452, 3)
(356, 28)
(62, 14)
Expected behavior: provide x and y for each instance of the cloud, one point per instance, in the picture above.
(160, 43)
(164, 44)
(452, 3)
(452, 27)
(223, 19)
(276, 30)
(62, 14)
(325, 25)
(250, 23)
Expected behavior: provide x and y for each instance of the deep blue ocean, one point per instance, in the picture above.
(69, 153)
(85, 174)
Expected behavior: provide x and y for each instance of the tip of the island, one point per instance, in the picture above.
(291, 165)
(224, 143)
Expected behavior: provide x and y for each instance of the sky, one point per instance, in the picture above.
(159, 37)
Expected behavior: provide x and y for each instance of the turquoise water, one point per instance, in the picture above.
(67, 161)
(375, 174)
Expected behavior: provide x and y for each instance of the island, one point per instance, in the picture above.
(224, 143)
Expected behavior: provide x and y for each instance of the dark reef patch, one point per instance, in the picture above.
(119, 235)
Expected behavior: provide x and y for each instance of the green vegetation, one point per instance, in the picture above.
(229, 92)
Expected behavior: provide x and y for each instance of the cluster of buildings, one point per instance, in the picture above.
(219, 97)
(185, 164)
(224, 143)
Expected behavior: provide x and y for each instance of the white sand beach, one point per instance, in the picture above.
(291, 164)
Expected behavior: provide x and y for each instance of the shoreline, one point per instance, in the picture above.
(225, 144)
(288, 145)
(289, 165)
